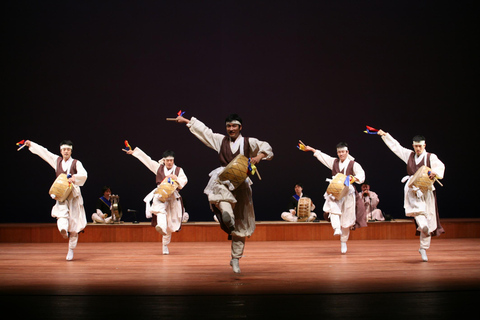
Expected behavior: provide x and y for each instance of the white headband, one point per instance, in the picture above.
(419, 143)
(349, 156)
(234, 122)
(162, 161)
(66, 146)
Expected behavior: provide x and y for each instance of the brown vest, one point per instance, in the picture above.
(412, 167)
(161, 174)
(73, 167)
(348, 170)
(226, 155)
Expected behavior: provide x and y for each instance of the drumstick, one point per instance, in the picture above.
(180, 113)
(258, 174)
(435, 179)
(21, 145)
(438, 182)
(301, 146)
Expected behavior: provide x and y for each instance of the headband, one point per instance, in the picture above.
(234, 122)
(349, 156)
(419, 143)
(66, 146)
(162, 161)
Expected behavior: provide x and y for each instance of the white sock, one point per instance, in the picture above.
(343, 247)
(423, 252)
(70, 254)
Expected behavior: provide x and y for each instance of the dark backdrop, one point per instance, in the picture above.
(100, 72)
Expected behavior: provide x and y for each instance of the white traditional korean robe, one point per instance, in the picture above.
(344, 207)
(418, 205)
(241, 198)
(171, 222)
(70, 213)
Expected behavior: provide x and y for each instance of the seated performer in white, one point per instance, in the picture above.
(371, 200)
(346, 213)
(70, 214)
(291, 214)
(167, 216)
(423, 207)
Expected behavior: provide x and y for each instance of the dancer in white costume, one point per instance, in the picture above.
(167, 216)
(420, 205)
(70, 214)
(233, 208)
(347, 213)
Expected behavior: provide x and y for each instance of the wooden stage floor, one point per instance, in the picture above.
(375, 279)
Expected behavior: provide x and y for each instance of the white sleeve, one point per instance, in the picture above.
(181, 179)
(152, 165)
(437, 166)
(43, 153)
(258, 146)
(374, 199)
(324, 158)
(359, 173)
(81, 175)
(394, 145)
(205, 134)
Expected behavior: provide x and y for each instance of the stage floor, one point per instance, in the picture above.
(375, 278)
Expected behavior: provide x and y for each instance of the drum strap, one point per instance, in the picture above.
(107, 202)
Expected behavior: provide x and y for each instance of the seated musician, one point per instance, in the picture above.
(371, 200)
(103, 212)
(291, 214)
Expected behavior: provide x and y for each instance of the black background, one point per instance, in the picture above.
(100, 72)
